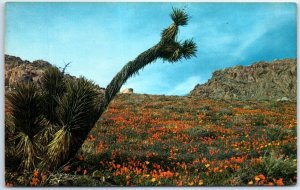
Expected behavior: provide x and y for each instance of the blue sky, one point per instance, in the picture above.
(100, 38)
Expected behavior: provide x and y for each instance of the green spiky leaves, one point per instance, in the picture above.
(76, 106)
(179, 17)
(28, 151)
(171, 50)
(58, 149)
(75, 114)
(53, 86)
(175, 51)
(188, 49)
(26, 107)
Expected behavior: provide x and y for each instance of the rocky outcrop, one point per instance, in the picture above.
(260, 81)
(17, 70)
(127, 91)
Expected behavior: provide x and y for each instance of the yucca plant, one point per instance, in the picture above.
(53, 87)
(75, 115)
(26, 112)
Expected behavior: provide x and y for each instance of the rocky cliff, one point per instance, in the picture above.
(260, 81)
(18, 70)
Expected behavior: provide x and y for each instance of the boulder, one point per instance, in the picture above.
(127, 91)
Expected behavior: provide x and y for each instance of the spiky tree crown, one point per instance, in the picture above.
(171, 49)
(179, 17)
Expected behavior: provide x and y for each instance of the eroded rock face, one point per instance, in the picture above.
(17, 70)
(260, 81)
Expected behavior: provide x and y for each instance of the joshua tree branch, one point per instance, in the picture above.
(127, 71)
(168, 49)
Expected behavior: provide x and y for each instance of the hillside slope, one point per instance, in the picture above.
(260, 81)
(18, 70)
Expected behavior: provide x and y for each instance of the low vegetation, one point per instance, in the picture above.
(144, 140)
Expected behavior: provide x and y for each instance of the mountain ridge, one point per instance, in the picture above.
(260, 81)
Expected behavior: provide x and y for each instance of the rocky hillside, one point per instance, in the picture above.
(18, 70)
(260, 81)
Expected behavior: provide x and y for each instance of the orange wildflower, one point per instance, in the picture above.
(261, 176)
(35, 173)
(278, 182)
(81, 158)
(179, 183)
(34, 181)
(256, 178)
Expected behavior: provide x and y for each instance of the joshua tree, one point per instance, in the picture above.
(168, 49)
(74, 106)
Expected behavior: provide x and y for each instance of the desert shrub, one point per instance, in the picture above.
(273, 166)
(290, 150)
(53, 88)
(11, 160)
(26, 112)
(225, 111)
(274, 133)
(75, 115)
(48, 121)
(259, 120)
(200, 131)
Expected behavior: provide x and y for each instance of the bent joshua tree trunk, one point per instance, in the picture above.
(168, 49)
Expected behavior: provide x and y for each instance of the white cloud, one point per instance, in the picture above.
(257, 31)
(249, 39)
(186, 86)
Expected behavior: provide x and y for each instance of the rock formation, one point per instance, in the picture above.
(18, 70)
(127, 91)
(260, 81)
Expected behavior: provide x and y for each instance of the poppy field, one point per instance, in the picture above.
(144, 140)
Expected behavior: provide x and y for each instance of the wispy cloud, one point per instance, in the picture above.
(248, 40)
(186, 86)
